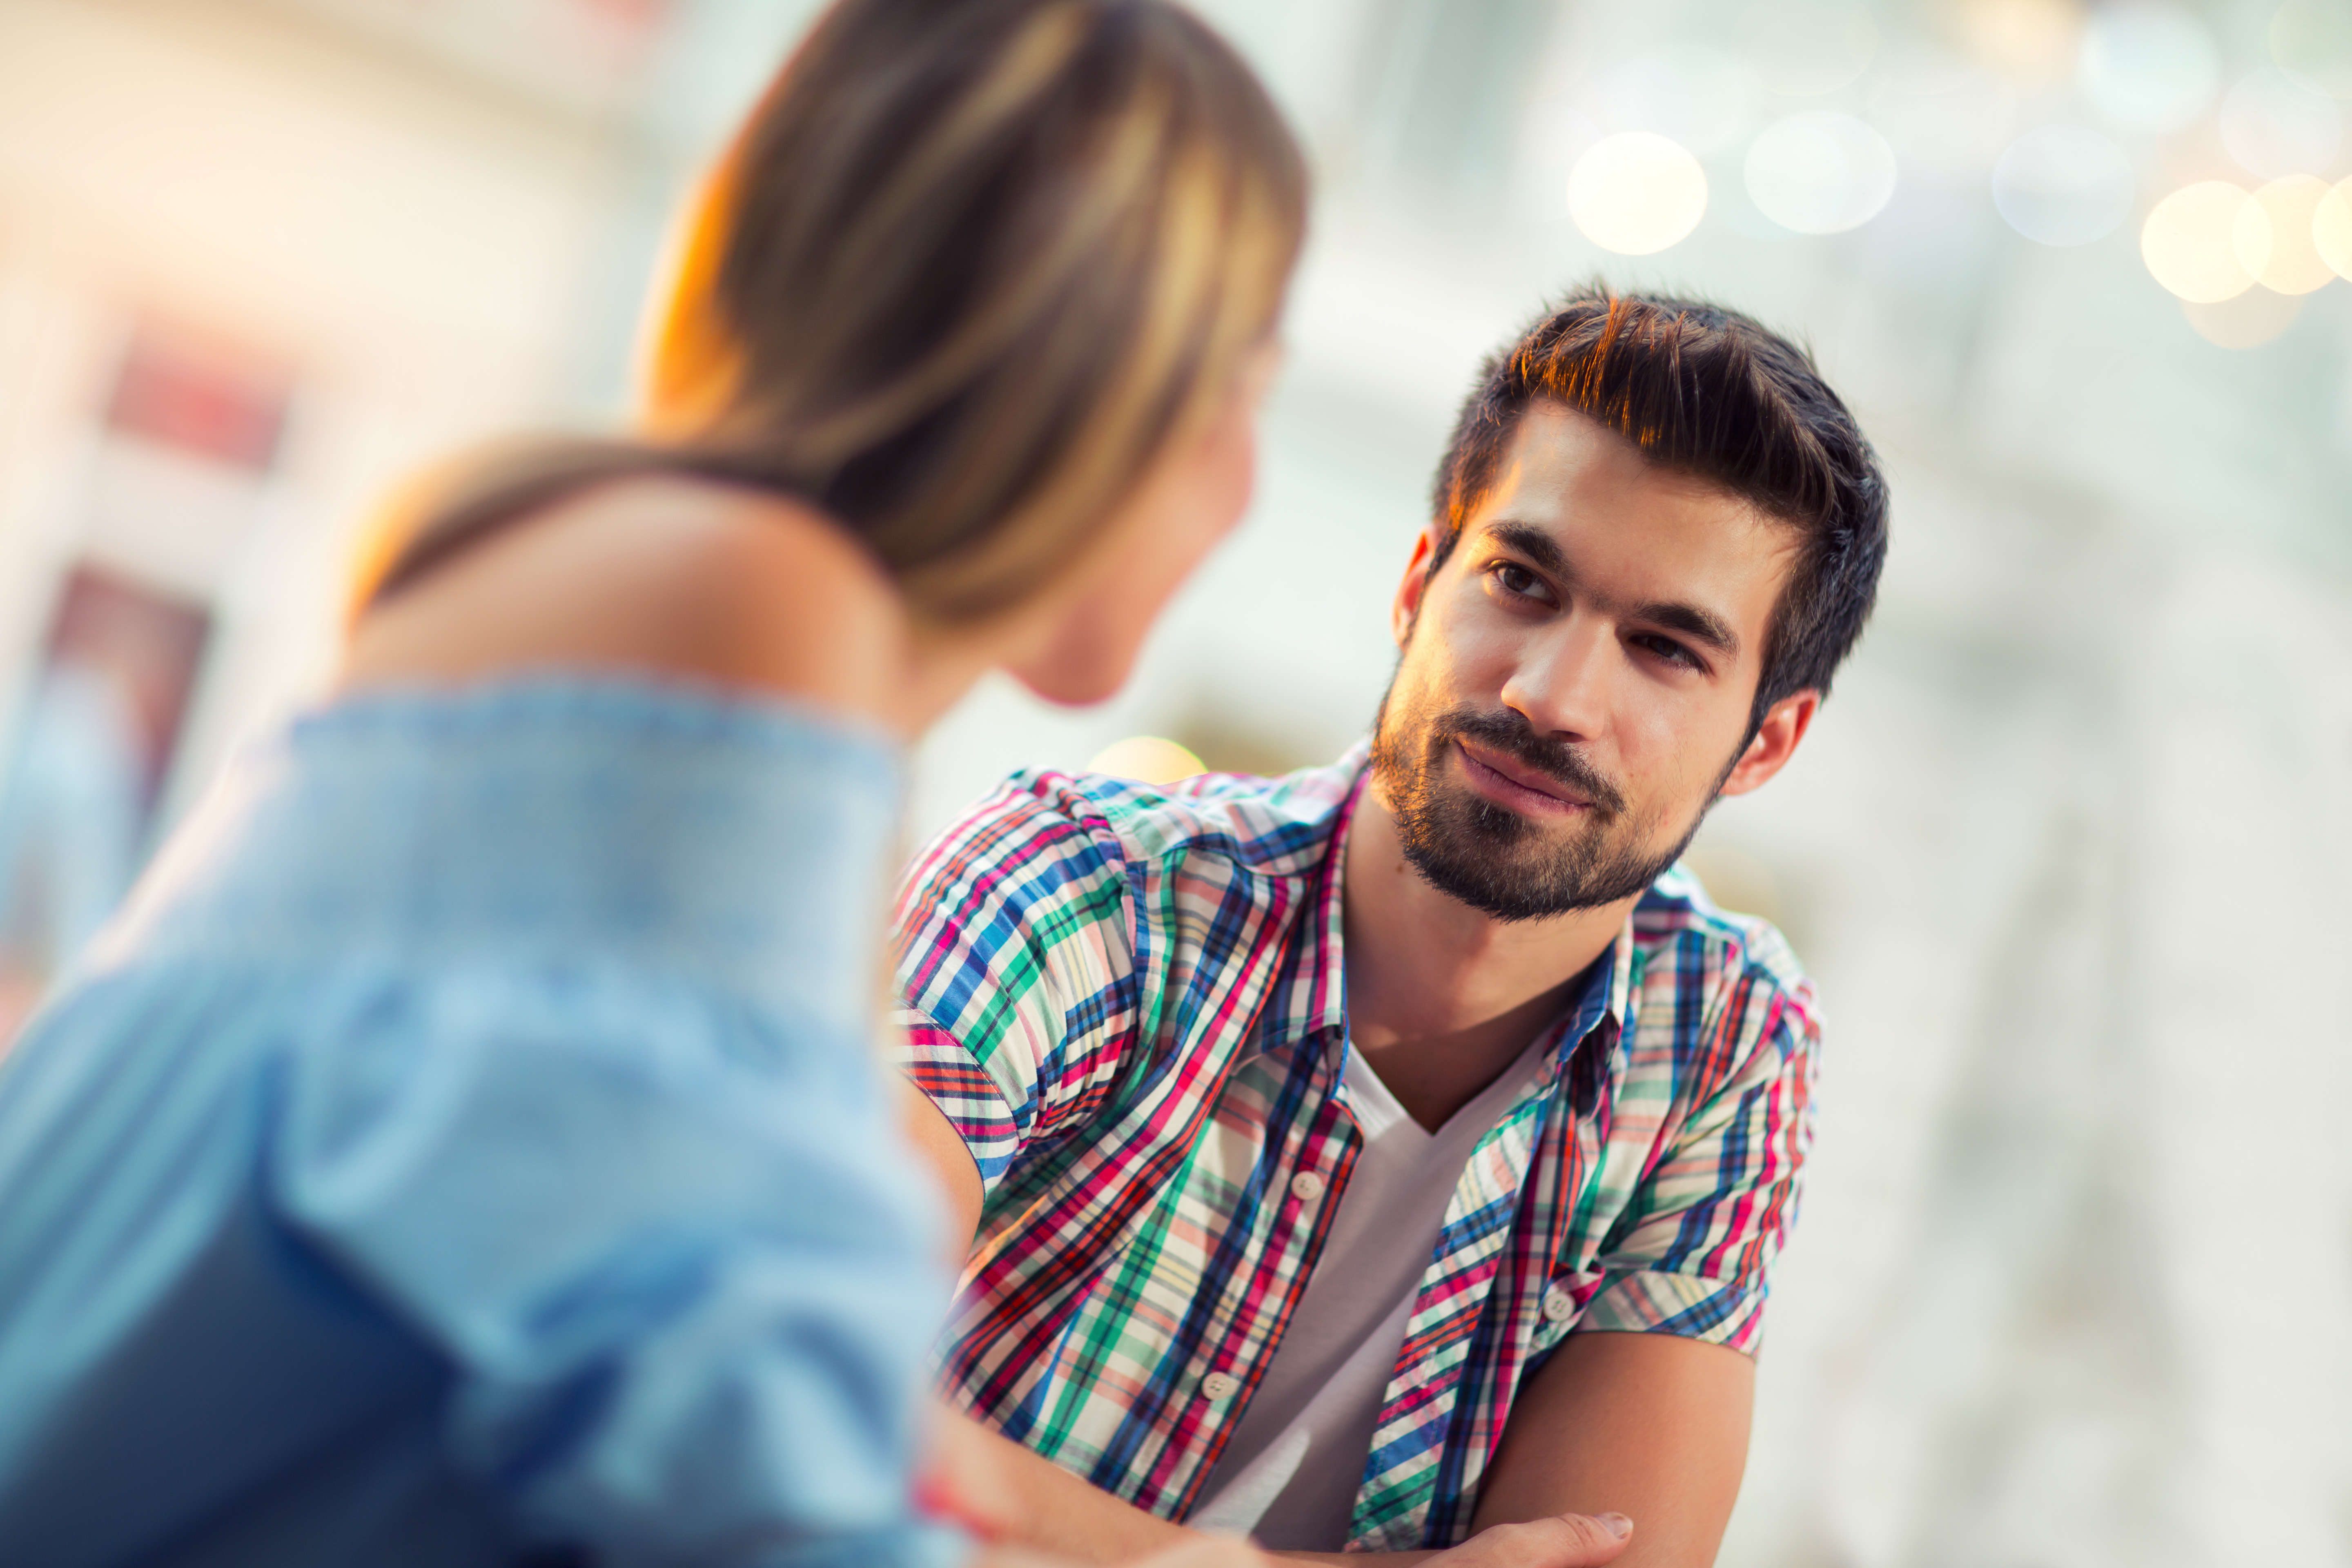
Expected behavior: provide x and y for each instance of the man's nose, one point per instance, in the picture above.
(1561, 686)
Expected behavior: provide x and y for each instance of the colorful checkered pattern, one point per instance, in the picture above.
(1129, 1001)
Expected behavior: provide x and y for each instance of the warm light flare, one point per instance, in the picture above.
(2274, 237)
(1636, 194)
(1148, 758)
(2195, 245)
(2331, 228)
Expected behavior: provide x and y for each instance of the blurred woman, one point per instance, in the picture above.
(465, 1148)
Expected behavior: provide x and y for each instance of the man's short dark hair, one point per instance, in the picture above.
(1707, 391)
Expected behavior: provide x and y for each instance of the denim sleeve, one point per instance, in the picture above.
(672, 1250)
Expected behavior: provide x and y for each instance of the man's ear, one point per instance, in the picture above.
(1406, 608)
(1785, 723)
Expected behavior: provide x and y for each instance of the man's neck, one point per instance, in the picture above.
(1440, 997)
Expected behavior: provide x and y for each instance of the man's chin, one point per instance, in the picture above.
(1482, 854)
(1504, 899)
(1492, 859)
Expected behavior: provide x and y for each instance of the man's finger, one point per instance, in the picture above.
(1565, 1541)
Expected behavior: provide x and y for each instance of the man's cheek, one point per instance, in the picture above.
(1469, 665)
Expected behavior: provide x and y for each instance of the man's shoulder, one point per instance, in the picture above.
(1687, 941)
(1274, 826)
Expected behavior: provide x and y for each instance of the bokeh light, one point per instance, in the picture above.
(1636, 193)
(2274, 236)
(2331, 228)
(2276, 126)
(2196, 246)
(2062, 184)
(2246, 320)
(1148, 759)
(2148, 68)
(1819, 173)
(2312, 41)
(1807, 50)
(1696, 96)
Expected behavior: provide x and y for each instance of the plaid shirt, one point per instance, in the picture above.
(1129, 1002)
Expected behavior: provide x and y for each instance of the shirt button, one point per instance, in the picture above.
(1559, 1306)
(1306, 1186)
(1220, 1388)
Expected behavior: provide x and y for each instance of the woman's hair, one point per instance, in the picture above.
(967, 270)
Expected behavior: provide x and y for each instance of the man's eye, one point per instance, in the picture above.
(1671, 652)
(1514, 577)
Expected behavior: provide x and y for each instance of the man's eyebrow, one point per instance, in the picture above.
(1701, 625)
(1533, 542)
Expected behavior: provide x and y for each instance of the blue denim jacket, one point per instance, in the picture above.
(466, 1148)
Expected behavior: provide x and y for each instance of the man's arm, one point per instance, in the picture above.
(1654, 1425)
(1049, 1509)
(1626, 1414)
(1076, 1522)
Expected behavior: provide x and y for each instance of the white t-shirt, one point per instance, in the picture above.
(1290, 1472)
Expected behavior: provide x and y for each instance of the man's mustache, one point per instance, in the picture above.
(1556, 759)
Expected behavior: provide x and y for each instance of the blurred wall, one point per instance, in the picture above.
(2066, 851)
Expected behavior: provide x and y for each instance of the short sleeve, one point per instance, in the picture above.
(670, 1247)
(1693, 1254)
(1015, 969)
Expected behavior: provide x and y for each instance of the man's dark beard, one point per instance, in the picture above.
(1490, 858)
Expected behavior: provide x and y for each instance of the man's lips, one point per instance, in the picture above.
(1515, 785)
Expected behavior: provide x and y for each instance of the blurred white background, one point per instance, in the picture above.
(2068, 851)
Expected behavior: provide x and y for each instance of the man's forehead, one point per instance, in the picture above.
(1582, 502)
(1554, 445)
(1563, 462)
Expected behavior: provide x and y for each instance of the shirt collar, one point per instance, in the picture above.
(1322, 968)
(1602, 1010)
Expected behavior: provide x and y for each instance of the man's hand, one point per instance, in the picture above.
(1565, 1541)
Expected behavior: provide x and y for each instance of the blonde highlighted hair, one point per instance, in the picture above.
(969, 266)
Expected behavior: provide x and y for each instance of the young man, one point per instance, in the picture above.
(1372, 1156)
